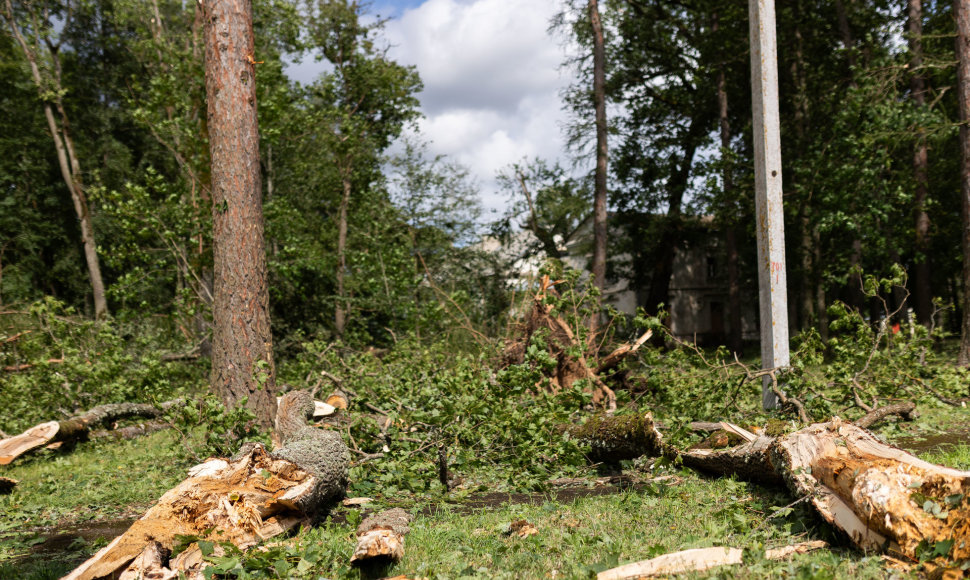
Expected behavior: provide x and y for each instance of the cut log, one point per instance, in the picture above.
(76, 428)
(381, 537)
(699, 559)
(614, 438)
(879, 496)
(320, 409)
(249, 498)
(695, 560)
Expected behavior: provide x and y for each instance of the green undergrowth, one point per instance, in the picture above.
(57, 363)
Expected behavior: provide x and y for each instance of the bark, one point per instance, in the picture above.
(922, 290)
(663, 264)
(905, 410)
(49, 83)
(599, 195)
(340, 312)
(962, 14)
(76, 428)
(242, 353)
(735, 339)
(249, 498)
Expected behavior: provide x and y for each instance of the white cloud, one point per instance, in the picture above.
(492, 78)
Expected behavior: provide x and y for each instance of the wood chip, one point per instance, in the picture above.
(354, 501)
(800, 548)
(522, 529)
(695, 560)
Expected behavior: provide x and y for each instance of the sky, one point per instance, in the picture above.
(492, 79)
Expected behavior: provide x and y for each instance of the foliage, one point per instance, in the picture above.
(56, 364)
(433, 398)
(209, 429)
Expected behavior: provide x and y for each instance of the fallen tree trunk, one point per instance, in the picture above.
(244, 500)
(76, 428)
(881, 497)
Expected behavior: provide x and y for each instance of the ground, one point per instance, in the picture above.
(69, 504)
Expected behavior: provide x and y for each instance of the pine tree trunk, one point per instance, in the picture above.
(922, 290)
(599, 196)
(242, 346)
(962, 15)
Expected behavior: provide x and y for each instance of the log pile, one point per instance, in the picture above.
(244, 500)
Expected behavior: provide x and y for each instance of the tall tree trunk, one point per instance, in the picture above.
(663, 266)
(730, 234)
(855, 297)
(922, 290)
(962, 14)
(599, 195)
(340, 312)
(242, 345)
(66, 157)
(806, 313)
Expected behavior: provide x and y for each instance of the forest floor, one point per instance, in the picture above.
(68, 504)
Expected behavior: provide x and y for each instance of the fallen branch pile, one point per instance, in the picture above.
(563, 346)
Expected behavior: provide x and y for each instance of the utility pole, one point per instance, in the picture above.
(772, 277)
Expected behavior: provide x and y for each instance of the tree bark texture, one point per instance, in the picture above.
(922, 289)
(67, 160)
(340, 311)
(663, 267)
(242, 353)
(243, 500)
(735, 341)
(599, 195)
(962, 14)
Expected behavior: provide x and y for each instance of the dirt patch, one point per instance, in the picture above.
(932, 442)
(66, 538)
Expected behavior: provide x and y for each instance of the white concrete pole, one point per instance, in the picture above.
(772, 279)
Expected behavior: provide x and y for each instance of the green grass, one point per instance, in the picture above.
(60, 491)
(107, 480)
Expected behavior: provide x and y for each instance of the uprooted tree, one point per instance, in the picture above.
(564, 347)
